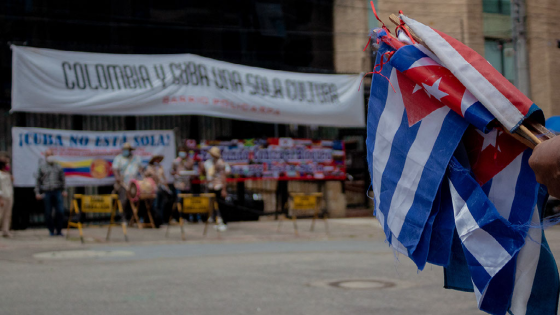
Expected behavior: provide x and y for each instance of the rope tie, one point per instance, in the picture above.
(384, 60)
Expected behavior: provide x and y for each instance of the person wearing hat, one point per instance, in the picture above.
(126, 166)
(155, 171)
(6, 197)
(216, 173)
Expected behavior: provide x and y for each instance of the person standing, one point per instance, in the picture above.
(6, 198)
(126, 166)
(182, 182)
(50, 188)
(155, 171)
(216, 173)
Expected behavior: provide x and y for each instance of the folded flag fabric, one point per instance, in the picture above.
(495, 92)
(407, 163)
(492, 223)
(534, 287)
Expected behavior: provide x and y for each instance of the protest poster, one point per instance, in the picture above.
(278, 158)
(86, 156)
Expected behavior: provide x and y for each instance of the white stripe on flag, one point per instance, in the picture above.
(398, 246)
(502, 191)
(422, 62)
(418, 155)
(379, 215)
(389, 123)
(526, 267)
(479, 296)
(483, 246)
(467, 101)
(428, 53)
(474, 81)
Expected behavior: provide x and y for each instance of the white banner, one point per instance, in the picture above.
(86, 156)
(54, 81)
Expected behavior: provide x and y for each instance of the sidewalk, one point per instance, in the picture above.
(238, 232)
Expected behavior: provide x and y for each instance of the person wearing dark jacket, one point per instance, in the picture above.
(50, 188)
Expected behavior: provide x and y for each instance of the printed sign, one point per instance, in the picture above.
(85, 156)
(97, 204)
(304, 202)
(196, 204)
(111, 84)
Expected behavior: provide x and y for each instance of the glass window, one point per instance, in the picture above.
(496, 6)
(493, 53)
(501, 56)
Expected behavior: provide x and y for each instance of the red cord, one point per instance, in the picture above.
(375, 13)
(368, 41)
(404, 29)
(384, 61)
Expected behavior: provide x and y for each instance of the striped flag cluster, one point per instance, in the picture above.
(451, 189)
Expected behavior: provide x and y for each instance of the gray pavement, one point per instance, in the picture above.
(250, 269)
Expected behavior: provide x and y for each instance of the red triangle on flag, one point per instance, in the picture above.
(416, 101)
(490, 153)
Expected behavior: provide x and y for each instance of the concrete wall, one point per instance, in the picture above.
(543, 32)
(350, 36)
(461, 19)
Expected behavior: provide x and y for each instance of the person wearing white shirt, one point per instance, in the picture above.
(216, 173)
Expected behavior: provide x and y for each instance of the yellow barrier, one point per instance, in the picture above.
(299, 203)
(95, 204)
(193, 204)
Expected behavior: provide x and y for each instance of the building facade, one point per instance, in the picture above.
(284, 35)
(486, 27)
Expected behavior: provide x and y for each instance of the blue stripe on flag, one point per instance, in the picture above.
(525, 197)
(420, 254)
(452, 128)
(456, 274)
(405, 57)
(443, 229)
(499, 291)
(479, 117)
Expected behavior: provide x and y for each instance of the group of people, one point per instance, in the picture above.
(128, 167)
(50, 185)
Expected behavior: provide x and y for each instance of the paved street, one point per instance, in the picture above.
(250, 269)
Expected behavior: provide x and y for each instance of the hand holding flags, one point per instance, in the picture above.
(441, 166)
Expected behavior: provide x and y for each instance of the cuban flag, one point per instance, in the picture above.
(435, 81)
(500, 251)
(486, 84)
(407, 162)
(492, 223)
(469, 205)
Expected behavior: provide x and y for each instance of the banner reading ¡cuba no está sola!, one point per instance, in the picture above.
(86, 156)
(54, 81)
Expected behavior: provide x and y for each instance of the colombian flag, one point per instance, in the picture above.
(92, 168)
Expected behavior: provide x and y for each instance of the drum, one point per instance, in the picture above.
(140, 189)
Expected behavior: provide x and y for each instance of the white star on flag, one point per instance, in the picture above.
(434, 90)
(490, 139)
